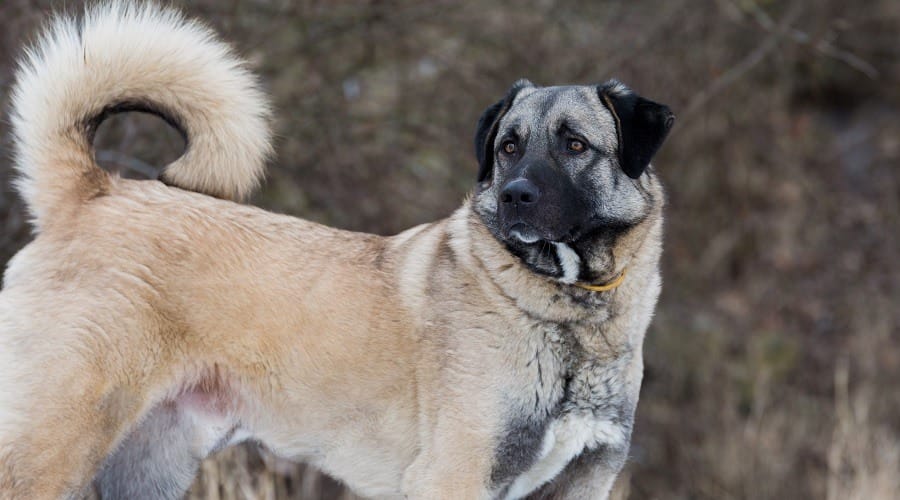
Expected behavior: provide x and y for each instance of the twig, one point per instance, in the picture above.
(745, 65)
(128, 163)
(822, 45)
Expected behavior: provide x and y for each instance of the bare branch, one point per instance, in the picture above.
(822, 45)
(128, 163)
(746, 64)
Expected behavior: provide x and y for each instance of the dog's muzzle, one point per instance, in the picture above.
(518, 201)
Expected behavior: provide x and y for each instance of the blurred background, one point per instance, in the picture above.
(773, 362)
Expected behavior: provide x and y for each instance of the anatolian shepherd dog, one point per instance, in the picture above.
(493, 354)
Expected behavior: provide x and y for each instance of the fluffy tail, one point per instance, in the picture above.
(127, 57)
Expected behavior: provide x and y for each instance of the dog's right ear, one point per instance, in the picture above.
(487, 129)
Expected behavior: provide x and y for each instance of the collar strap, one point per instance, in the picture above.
(604, 288)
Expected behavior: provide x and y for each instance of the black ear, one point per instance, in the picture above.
(487, 129)
(642, 125)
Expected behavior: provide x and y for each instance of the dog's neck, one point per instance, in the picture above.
(637, 249)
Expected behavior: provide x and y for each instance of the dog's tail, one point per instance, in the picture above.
(127, 57)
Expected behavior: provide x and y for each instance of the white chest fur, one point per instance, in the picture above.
(565, 439)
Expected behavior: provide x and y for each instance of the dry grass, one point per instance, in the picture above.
(864, 458)
(247, 472)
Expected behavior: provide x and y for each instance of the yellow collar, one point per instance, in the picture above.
(604, 288)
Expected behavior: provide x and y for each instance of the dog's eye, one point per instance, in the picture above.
(509, 147)
(575, 146)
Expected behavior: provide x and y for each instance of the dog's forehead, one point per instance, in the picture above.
(549, 108)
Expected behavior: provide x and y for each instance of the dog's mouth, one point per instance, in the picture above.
(524, 233)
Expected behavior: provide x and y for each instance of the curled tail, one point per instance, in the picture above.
(127, 57)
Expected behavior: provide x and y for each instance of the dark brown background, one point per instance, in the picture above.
(773, 361)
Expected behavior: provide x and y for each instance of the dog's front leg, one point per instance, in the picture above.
(444, 478)
(588, 477)
(454, 465)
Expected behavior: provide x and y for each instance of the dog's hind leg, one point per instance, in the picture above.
(56, 434)
(63, 433)
(68, 395)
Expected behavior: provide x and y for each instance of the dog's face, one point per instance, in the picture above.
(562, 168)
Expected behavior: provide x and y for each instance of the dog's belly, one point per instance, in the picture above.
(564, 440)
(367, 460)
(371, 471)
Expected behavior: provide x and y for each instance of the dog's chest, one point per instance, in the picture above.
(580, 403)
(565, 439)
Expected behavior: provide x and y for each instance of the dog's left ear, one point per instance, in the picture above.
(642, 125)
(487, 129)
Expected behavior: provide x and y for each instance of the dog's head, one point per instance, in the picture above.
(564, 169)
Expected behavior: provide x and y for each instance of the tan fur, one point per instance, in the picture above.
(383, 361)
(124, 53)
(317, 335)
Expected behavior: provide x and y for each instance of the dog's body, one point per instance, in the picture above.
(147, 326)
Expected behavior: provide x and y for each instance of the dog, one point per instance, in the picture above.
(492, 354)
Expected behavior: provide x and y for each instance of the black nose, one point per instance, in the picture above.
(520, 191)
